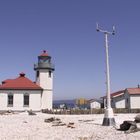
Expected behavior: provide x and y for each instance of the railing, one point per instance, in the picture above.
(44, 65)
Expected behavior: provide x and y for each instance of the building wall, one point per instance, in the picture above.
(127, 100)
(120, 104)
(3, 101)
(135, 101)
(118, 101)
(44, 80)
(95, 105)
(18, 95)
(46, 83)
(47, 99)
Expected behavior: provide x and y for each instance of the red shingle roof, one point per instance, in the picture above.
(19, 83)
(117, 93)
(133, 90)
(120, 92)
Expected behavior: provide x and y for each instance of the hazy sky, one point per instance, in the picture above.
(66, 29)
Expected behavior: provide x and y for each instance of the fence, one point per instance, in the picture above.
(87, 111)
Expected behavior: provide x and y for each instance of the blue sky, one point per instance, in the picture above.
(66, 29)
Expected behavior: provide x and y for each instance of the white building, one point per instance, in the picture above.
(117, 99)
(21, 94)
(128, 98)
(95, 104)
(132, 98)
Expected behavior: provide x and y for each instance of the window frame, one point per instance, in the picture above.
(50, 74)
(37, 73)
(10, 102)
(26, 102)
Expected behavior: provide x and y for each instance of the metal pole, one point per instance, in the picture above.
(108, 116)
(107, 72)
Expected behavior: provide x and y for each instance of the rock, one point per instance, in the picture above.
(30, 112)
(137, 119)
(126, 125)
(138, 126)
(130, 127)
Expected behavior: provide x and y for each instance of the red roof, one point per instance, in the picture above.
(133, 90)
(117, 93)
(20, 83)
(120, 92)
(44, 53)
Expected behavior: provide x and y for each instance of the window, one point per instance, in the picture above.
(50, 73)
(10, 99)
(127, 100)
(37, 74)
(26, 99)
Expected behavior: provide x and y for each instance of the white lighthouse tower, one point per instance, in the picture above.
(44, 78)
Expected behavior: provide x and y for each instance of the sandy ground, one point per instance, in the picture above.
(87, 127)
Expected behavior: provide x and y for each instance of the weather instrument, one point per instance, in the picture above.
(108, 116)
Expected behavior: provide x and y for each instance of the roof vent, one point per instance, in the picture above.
(22, 74)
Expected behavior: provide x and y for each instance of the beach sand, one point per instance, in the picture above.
(22, 126)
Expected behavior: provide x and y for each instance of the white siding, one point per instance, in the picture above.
(135, 101)
(3, 101)
(44, 80)
(95, 105)
(47, 99)
(18, 101)
(18, 97)
(120, 104)
(118, 101)
(35, 101)
(46, 83)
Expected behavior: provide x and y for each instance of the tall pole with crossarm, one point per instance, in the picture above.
(108, 116)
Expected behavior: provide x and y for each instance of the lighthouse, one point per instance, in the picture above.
(44, 78)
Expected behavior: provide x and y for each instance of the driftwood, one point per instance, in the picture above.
(49, 120)
(85, 120)
(57, 122)
(71, 125)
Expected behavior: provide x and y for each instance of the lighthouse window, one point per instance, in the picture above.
(26, 99)
(10, 99)
(37, 74)
(50, 73)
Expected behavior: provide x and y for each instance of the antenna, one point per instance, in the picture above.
(113, 32)
(105, 31)
(97, 27)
